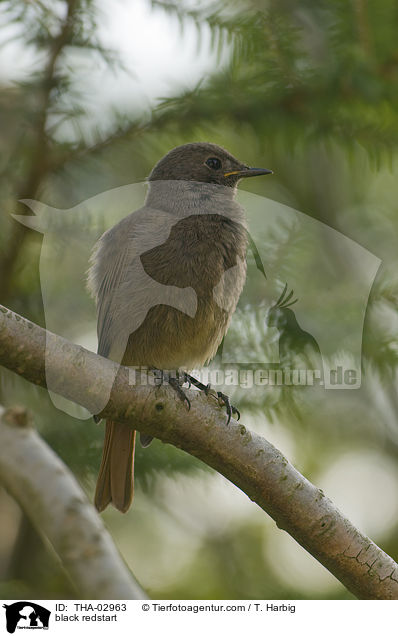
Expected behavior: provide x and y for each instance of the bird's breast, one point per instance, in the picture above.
(197, 253)
(207, 255)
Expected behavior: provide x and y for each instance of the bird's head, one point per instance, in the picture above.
(279, 315)
(203, 162)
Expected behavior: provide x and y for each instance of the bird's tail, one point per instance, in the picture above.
(115, 483)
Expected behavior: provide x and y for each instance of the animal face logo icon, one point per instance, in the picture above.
(26, 615)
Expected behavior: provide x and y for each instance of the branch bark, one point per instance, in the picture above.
(246, 459)
(56, 505)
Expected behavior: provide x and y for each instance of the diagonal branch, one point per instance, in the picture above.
(54, 502)
(246, 459)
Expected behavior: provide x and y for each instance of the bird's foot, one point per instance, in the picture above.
(175, 383)
(179, 378)
(176, 380)
(223, 400)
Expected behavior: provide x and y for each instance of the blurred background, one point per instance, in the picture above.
(92, 94)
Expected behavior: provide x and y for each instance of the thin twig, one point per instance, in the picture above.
(40, 163)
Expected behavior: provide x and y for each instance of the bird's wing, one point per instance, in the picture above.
(109, 284)
(107, 272)
(116, 276)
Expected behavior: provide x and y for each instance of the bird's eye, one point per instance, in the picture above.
(213, 163)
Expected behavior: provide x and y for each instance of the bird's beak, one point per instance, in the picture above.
(248, 172)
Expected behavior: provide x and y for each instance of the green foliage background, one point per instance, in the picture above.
(309, 89)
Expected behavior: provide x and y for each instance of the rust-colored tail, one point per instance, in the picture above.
(115, 483)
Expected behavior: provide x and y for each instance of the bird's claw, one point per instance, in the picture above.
(209, 391)
(176, 385)
(176, 382)
(224, 400)
(184, 378)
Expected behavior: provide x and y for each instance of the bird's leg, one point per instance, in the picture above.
(176, 381)
(223, 399)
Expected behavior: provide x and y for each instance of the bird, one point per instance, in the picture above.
(166, 280)
(297, 347)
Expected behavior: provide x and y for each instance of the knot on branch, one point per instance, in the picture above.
(18, 416)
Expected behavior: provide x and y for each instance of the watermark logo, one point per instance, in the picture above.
(299, 319)
(246, 378)
(26, 615)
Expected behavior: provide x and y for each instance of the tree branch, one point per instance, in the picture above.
(54, 502)
(246, 459)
